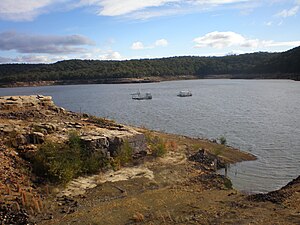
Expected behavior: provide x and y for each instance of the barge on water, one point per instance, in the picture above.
(184, 94)
(141, 96)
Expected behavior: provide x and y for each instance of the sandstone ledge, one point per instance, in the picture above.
(27, 121)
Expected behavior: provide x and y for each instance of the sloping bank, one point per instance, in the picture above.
(59, 167)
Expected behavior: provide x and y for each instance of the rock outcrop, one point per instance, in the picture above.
(27, 121)
(26, 102)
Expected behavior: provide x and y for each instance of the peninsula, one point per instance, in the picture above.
(61, 167)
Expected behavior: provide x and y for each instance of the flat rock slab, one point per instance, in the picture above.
(81, 184)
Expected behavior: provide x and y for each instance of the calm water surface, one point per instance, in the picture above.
(258, 116)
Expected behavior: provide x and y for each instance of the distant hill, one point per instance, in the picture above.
(286, 65)
(260, 65)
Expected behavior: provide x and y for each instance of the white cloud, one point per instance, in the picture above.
(288, 12)
(147, 14)
(144, 9)
(221, 40)
(137, 45)
(32, 59)
(97, 53)
(110, 55)
(39, 58)
(140, 46)
(122, 7)
(19, 10)
(161, 42)
(217, 2)
(281, 44)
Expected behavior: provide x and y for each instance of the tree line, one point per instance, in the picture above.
(285, 65)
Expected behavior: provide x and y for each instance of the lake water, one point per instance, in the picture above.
(258, 116)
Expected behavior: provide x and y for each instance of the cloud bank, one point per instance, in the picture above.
(221, 40)
(52, 44)
(31, 59)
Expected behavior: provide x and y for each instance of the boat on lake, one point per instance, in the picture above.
(141, 96)
(184, 94)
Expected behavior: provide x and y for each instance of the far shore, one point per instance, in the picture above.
(95, 81)
(136, 80)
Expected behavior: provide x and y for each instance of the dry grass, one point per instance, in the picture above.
(138, 217)
(20, 198)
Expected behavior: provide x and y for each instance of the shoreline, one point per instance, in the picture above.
(168, 178)
(96, 81)
(132, 80)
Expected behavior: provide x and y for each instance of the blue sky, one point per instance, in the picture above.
(45, 31)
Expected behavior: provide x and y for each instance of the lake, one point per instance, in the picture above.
(258, 116)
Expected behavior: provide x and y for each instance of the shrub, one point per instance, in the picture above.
(227, 183)
(57, 162)
(156, 144)
(94, 162)
(125, 154)
(223, 140)
(61, 162)
(74, 140)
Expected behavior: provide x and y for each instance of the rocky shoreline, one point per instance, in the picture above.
(149, 177)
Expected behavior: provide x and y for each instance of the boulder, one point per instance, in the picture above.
(13, 98)
(45, 128)
(95, 143)
(137, 142)
(19, 141)
(36, 138)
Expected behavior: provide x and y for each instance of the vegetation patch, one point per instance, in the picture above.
(124, 156)
(61, 162)
(222, 140)
(156, 144)
(227, 183)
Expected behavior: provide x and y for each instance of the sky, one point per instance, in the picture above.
(46, 31)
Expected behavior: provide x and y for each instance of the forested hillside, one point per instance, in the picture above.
(284, 65)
